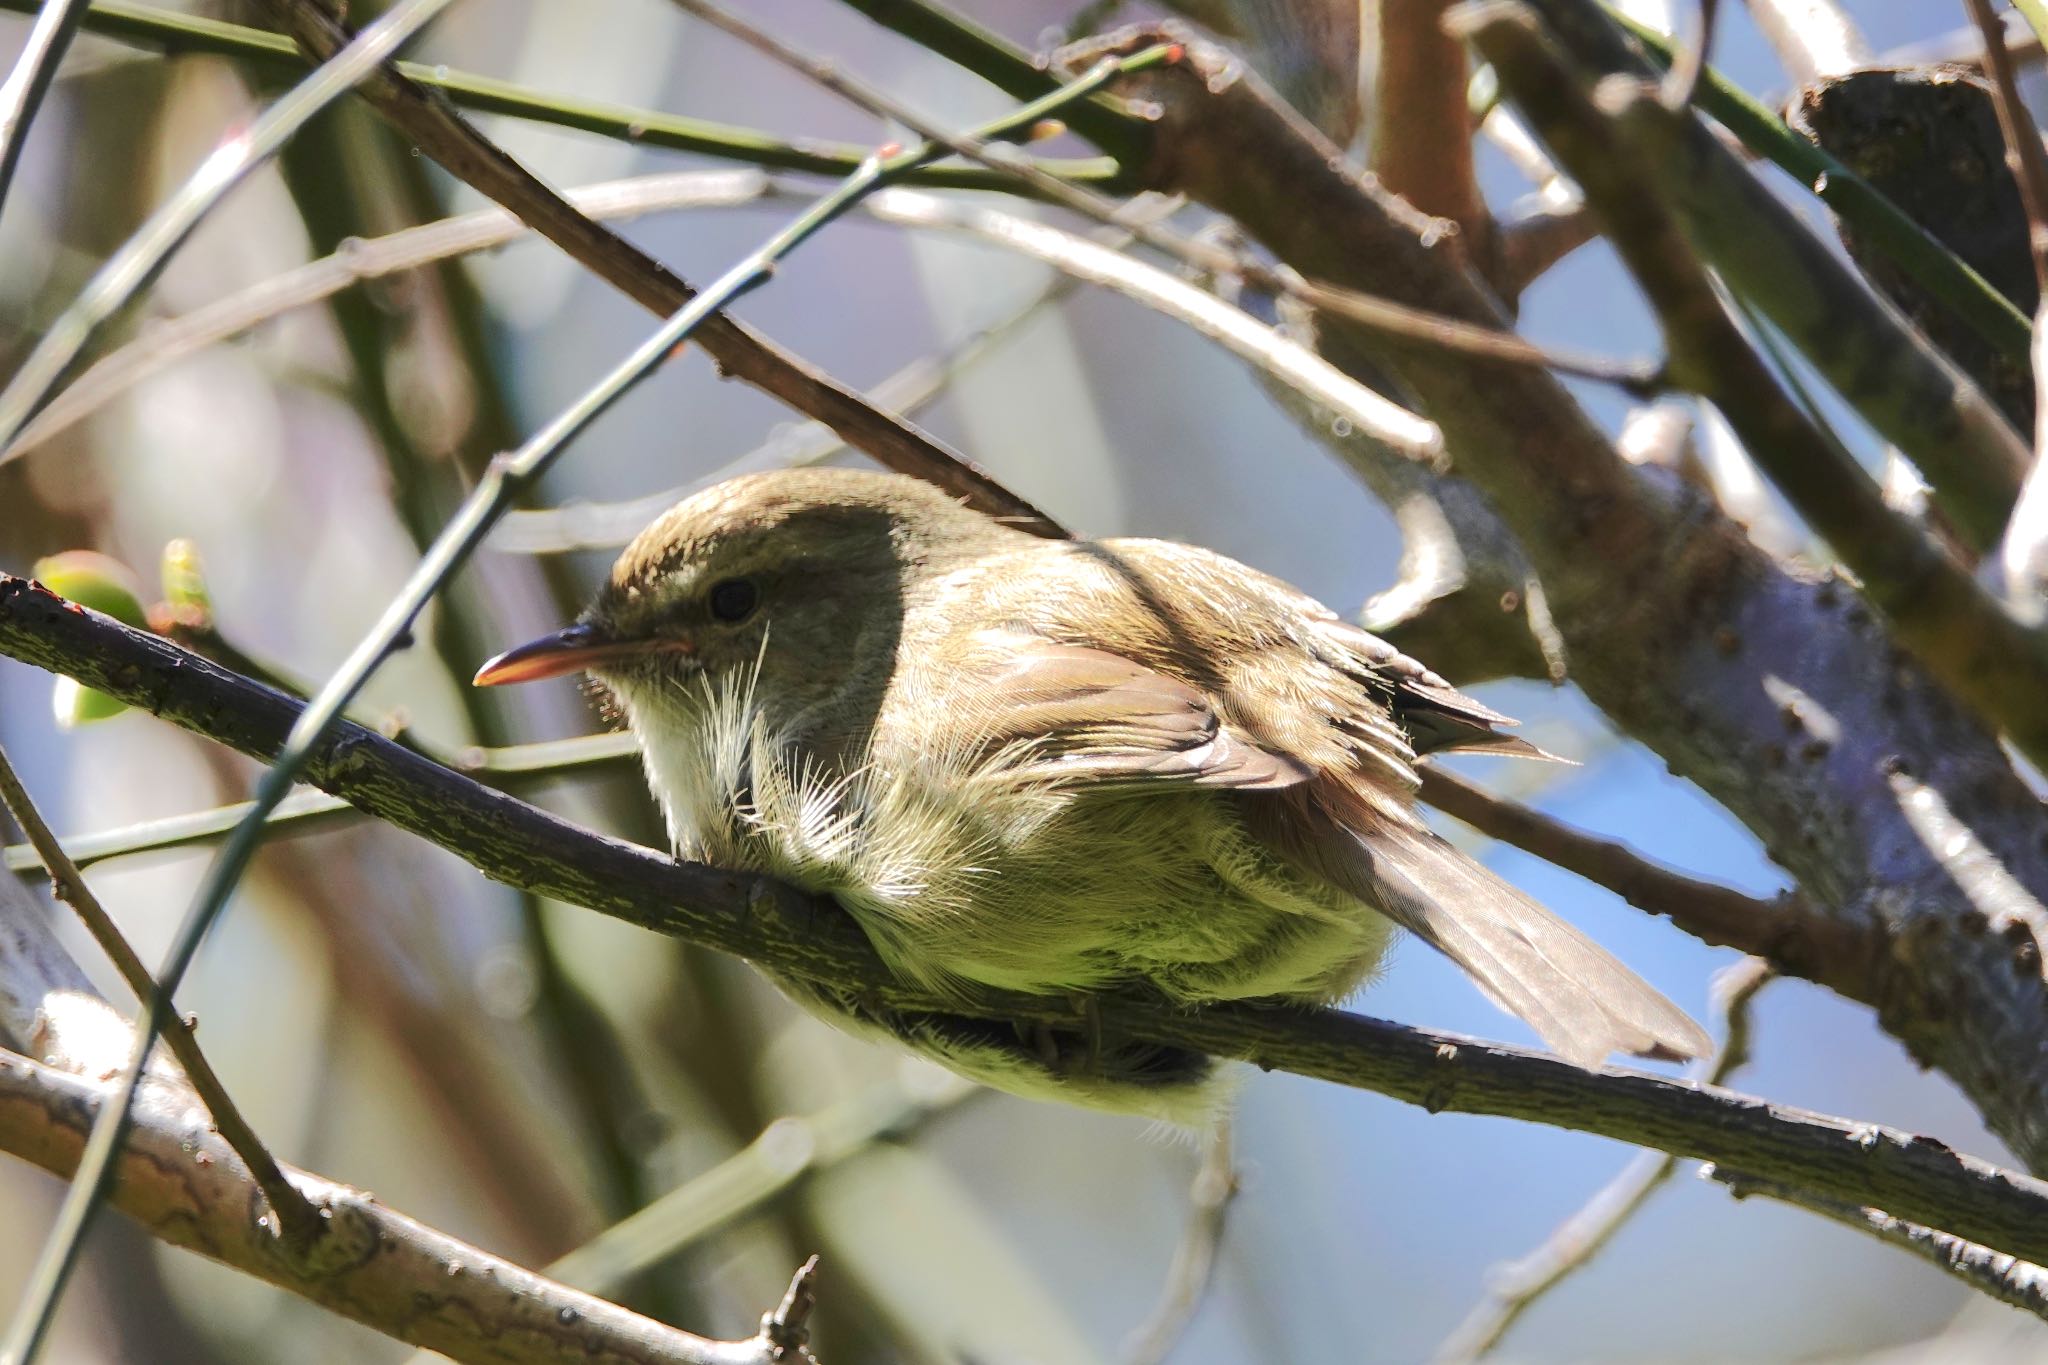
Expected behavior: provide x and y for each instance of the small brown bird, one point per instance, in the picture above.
(1060, 767)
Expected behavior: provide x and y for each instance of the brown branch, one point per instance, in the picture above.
(181, 1181)
(1422, 127)
(432, 124)
(298, 1222)
(795, 934)
(1532, 242)
(1787, 932)
(2023, 151)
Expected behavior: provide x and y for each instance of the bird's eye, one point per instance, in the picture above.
(733, 599)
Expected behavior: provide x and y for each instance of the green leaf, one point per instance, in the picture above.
(106, 585)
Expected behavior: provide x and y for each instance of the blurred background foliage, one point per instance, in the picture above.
(525, 1074)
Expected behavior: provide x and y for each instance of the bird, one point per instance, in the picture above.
(1061, 767)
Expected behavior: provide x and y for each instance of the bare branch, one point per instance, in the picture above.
(1383, 315)
(2023, 151)
(181, 1181)
(1893, 376)
(795, 934)
(1959, 631)
(1785, 932)
(30, 79)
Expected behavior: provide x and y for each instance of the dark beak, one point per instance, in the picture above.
(569, 650)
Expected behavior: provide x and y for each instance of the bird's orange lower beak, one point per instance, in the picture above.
(569, 650)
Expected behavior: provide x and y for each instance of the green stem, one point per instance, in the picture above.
(174, 33)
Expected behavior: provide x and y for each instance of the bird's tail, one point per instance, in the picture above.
(1573, 992)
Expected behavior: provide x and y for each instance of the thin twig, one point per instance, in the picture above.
(1194, 1260)
(1860, 204)
(1514, 1287)
(2023, 554)
(145, 253)
(786, 1151)
(2025, 532)
(2010, 1280)
(1639, 378)
(26, 85)
(1815, 39)
(793, 933)
(444, 135)
(512, 767)
(1789, 932)
(298, 1222)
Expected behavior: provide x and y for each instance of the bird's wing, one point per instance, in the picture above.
(1053, 712)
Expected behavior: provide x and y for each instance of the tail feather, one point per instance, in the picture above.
(1574, 993)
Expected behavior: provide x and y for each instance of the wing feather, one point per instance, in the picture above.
(1070, 713)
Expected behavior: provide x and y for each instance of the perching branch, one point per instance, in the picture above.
(792, 933)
